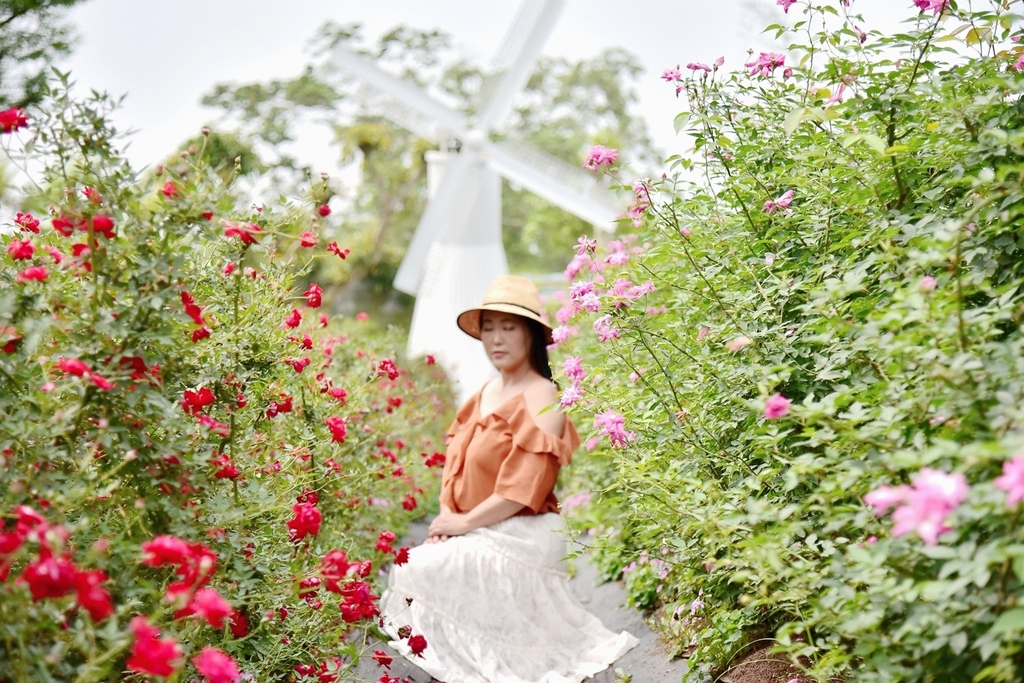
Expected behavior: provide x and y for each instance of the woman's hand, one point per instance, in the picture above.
(448, 524)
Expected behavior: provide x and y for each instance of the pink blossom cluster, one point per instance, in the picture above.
(1012, 480)
(641, 202)
(765, 64)
(926, 505)
(612, 424)
(934, 6)
(923, 507)
(599, 156)
(605, 330)
(572, 368)
(781, 202)
(785, 4)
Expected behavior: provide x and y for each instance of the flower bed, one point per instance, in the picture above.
(817, 324)
(202, 472)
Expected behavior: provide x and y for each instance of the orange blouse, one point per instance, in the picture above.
(506, 453)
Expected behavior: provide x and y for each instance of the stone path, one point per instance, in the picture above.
(648, 662)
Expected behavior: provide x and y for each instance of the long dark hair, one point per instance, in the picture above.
(539, 348)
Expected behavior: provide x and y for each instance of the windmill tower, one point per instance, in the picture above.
(457, 249)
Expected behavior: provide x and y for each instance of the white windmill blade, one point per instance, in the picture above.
(517, 55)
(451, 205)
(401, 92)
(555, 180)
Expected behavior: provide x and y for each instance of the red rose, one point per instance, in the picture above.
(14, 118)
(225, 470)
(169, 190)
(37, 273)
(194, 401)
(313, 295)
(299, 364)
(166, 550)
(27, 222)
(305, 522)
(104, 225)
(323, 209)
(417, 644)
(92, 596)
(64, 225)
(409, 503)
(335, 249)
(102, 383)
(334, 566)
(92, 195)
(72, 366)
(49, 576)
(402, 556)
(151, 655)
(239, 625)
(214, 426)
(309, 586)
(215, 666)
(201, 333)
(20, 250)
(359, 602)
(211, 607)
(382, 658)
(308, 239)
(387, 367)
(191, 309)
(293, 319)
(337, 427)
(247, 233)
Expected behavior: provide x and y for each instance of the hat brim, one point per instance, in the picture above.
(469, 321)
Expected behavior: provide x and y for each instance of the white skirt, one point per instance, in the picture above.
(495, 606)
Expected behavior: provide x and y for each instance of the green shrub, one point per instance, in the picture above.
(171, 377)
(837, 303)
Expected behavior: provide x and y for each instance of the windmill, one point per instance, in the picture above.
(457, 249)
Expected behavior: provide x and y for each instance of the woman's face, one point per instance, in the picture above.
(506, 339)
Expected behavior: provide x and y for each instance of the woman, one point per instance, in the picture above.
(487, 589)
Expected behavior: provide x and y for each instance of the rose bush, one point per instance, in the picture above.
(805, 375)
(198, 464)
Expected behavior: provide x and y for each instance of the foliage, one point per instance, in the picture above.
(164, 375)
(32, 36)
(836, 312)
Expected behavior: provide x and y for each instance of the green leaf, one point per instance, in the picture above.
(874, 142)
(793, 120)
(1018, 567)
(1010, 621)
(680, 121)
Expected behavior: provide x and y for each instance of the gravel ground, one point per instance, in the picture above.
(648, 662)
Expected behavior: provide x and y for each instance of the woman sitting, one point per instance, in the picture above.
(487, 589)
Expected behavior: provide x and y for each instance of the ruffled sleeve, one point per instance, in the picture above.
(529, 472)
(462, 417)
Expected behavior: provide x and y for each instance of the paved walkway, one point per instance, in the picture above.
(648, 662)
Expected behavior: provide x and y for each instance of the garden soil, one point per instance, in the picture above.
(648, 662)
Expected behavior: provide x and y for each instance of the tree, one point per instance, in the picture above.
(32, 35)
(567, 106)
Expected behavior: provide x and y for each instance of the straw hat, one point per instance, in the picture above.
(506, 294)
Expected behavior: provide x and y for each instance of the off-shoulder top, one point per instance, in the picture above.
(504, 452)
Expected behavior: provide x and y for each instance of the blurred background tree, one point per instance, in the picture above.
(33, 35)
